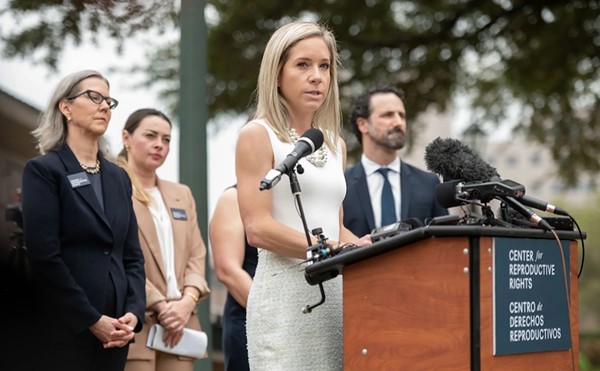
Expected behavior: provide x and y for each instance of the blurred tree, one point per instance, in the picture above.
(538, 57)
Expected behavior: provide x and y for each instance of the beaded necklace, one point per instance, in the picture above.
(91, 169)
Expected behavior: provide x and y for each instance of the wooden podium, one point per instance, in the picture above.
(423, 300)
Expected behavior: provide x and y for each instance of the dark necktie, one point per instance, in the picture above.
(388, 205)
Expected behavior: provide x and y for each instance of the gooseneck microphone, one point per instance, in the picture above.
(309, 142)
(458, 163)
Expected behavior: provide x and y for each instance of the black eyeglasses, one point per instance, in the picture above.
(97, 98)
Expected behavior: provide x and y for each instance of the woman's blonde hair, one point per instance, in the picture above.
(272, 107)
(52, 124)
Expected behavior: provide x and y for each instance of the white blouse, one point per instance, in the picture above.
(164, 231)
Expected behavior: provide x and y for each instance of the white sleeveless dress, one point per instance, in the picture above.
(280, 336)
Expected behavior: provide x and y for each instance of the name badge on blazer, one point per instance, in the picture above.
(78, 180)
(178, 214)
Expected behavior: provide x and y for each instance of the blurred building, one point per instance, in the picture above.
(532, 165)
(17, 119)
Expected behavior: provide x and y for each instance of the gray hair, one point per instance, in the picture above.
(52, 124)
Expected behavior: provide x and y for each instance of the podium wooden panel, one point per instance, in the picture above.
(411, 308)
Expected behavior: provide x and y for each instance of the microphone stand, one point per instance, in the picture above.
(295, 187)
(485, 218)
(491, 220)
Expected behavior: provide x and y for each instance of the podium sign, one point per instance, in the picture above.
(530, 307)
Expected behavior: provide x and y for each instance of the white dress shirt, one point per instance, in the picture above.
(375, 184)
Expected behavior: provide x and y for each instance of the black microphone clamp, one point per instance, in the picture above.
(487, 190)
(322, 249)
(314, 254)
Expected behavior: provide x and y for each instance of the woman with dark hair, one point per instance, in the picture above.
(170, 238)
(81, 235)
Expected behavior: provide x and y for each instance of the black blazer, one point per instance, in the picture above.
(74, 244)
(417, 194)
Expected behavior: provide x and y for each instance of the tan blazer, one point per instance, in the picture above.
(189, 256)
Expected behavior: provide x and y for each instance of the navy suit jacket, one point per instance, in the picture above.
(417, 198)
(74, 244)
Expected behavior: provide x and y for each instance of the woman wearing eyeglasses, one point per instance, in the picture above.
(81, 236)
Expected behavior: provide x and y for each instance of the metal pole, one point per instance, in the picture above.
(193, 113)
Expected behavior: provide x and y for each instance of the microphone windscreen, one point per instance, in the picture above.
(453, 160)
(445, 194)
(315, 136)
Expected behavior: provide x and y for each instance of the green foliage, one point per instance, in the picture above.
(60, 21)
(589, 352)
(538, 57)
(584, 363)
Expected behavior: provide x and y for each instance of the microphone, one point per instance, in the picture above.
(455, 161)
(448, 193)
(309, 142)
(527, 213)
(542, 205)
